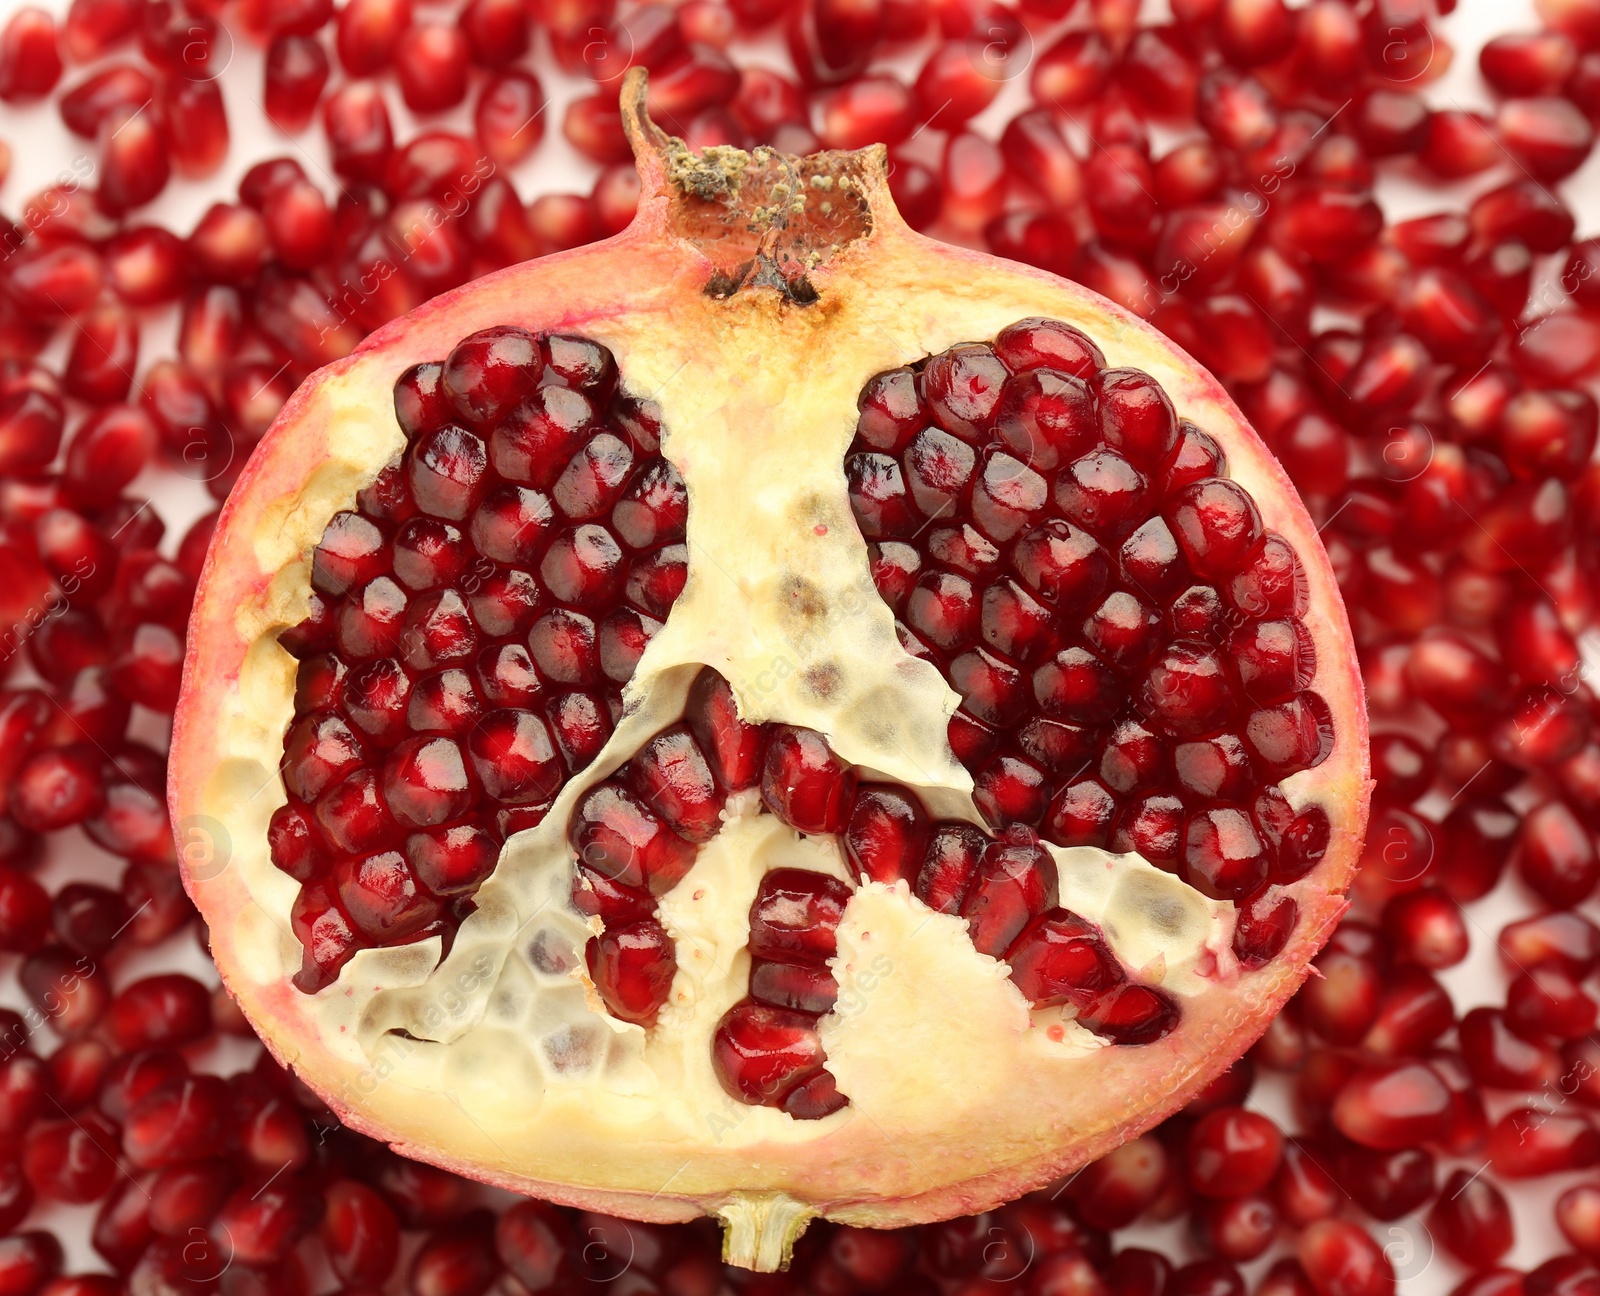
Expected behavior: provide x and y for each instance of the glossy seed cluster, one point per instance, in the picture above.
(1125, 633)
(636, 836)
(473, 620)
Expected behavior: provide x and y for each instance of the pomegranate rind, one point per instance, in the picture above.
(886, 298)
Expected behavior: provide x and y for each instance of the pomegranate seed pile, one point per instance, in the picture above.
(1425, 384)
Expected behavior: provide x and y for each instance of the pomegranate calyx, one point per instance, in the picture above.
(762, 218)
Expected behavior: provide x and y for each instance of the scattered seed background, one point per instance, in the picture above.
(43, 150)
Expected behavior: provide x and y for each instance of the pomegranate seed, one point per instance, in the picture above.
(456, 1258)
(1342, 1260)
(509, 117)
(1473, 1220)
(496, 31)
(1547, 1002)
(692, 81)
(769, 1056)
(296, 71)
(431, 63)
(360, 138)
(1527, 1142)
(49, 280)
(1233, 1153)
(1115, 1190)
(73, 1160)
(973, 179)
(196, 124)
(367, 32)
(805, 784)
(89, 103)
(1426, 927)
(29, 1260)
(831, 40)
(145, 266)
(104, 353)
(866, 110)
(1528, 63)
(1556, 856)
(161, 1011)
(1342, 1005)
(1549, 137)
(68, 988)
(30, 57)
(360, 1232)
(1073, 71)
(1524, 211)
(1566, 941)
(1577, 1215)
(615, 198)
(93, 27)
(957, 82)
(1502, 1059)
(298, 224)
(1395, 1107)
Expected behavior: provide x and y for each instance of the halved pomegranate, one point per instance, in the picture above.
(766, 716)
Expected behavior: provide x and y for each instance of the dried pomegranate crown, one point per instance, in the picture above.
(768, 716)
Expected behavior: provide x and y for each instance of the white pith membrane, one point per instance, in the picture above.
(499, 1061)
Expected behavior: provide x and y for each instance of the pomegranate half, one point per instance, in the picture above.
(767, 716)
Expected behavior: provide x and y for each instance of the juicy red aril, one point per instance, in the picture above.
(1546, 1002)
(295, 72)
(1233, 1152)
(1566, 941)
(1528, 1142)
(1060, 959)
(632, 966)
(795, 914)
(804, 783)
(1473, 1220)
(1394, 1107)
(71, 1160)
(773, 1057)
(617, 836)
(886, 834)
(1499, 1058)
(461, 684)
(1015, 882)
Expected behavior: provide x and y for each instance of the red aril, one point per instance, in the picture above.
(197, 125)
(1233, 1153)
(1548, 137)
(1392, 1107)
(295, 73)
(1528, 63)
(431, 64)
(367, 32)
(1342, 1260)
(1473, 1220)
(509, 116)
(1527, 1142)
(30, 57)
(1566, 941)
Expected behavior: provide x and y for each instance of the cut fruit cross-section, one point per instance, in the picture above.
(766, 716)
